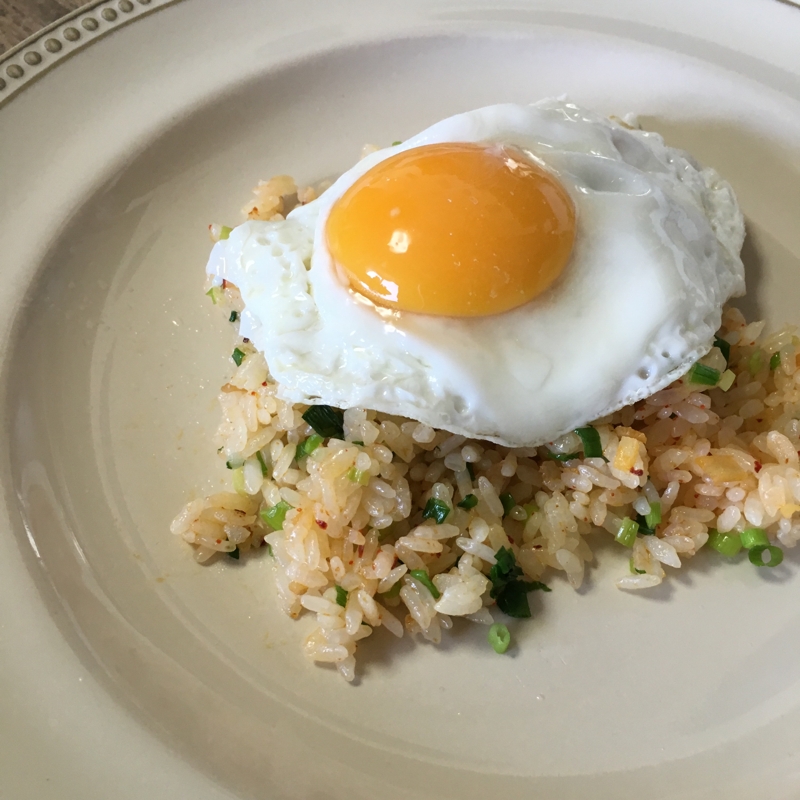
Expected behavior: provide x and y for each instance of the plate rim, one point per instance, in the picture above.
(44, 50)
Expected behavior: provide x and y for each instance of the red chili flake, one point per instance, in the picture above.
(264, 384)
(758, 466)
(219, 541)
(360, 550)
(637, 471)
(224, 284)
(322, 524)
(350, 562)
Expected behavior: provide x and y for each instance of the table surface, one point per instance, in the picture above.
(20, 18)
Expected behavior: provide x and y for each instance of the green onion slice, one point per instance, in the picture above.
(341, 596)
(326, 421)
(276, 515)
(234, 316)
(470, 501)
(653, 517)
(633, 569)
(234, 553)
(499, 638)
(423, 578)
(591, 442)
(436, 509)
(756, 555)
(775, 361)
(508, 502)
(238, 356)
(700, 373)
(394, 144)
(644, 528)
(530, 509)
(358, 476)
(215, 293)
(234, 462)
(471, 471)
(508, 590)
(224, 232)
(724, 348)
(626, 535)
(263, 462)
(307, 447)
(727, 544)
(754, 537)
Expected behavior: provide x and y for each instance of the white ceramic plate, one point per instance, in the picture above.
(128, 671)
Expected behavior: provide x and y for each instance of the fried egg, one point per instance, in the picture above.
(509, 273)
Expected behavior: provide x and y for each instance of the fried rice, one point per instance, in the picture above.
(393, 524)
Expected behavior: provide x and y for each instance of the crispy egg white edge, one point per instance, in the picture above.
(443, 404)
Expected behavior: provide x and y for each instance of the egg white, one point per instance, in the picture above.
(656, 256)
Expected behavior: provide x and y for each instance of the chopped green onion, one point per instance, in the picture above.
(436, 509)
(561, 456)
(530, 509)
(756, 362)
(234, 462)
(341, 596)
(727, 380)
(700, 373)
(234, 553)
(263, 462)
(360, 476)
(653, 516)
(508, 502)
(724, 348)
(756, 555)
(470, 501)
(633, 569)
(394, 144)
(775, 361)
(269, 549)
(234, 316)
(510, 592)
(238, 356)
(591, 442)
(238, 481)
(215, 293)
(754, 537)
(644, 528)
(307, 447)
(626, 535)
(727, 544)
(224, 232)
(359, 443)
(423, 578)
(471, 471)
(276, 515)
(326, 420)
(394, 591)
(499, 638)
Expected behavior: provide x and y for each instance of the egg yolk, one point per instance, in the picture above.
(456, 229)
